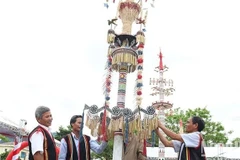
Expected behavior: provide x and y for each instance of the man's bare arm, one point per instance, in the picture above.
(163, 139)
(38, 156)
(170, 133)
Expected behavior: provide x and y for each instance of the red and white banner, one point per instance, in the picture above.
(14, 154)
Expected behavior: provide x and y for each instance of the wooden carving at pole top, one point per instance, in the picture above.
(128, 13)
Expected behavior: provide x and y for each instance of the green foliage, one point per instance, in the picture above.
(3, 138)
(150, 141)
(214, 132)
(62, 132)
(4, 154)
(156, 139)
(236, 142)
(107, 154)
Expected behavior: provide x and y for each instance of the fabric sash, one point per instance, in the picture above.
(45, 142)
(87, 147)
(70, 145)
(83, 149)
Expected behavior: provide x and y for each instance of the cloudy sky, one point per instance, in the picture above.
(53, 53)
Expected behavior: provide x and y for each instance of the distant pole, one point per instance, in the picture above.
(161, 105)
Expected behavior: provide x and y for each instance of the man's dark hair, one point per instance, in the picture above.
(74, 119)
(199, 121)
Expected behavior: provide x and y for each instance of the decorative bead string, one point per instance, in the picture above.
(108, 82)
(126, 131)
(107, 90)
(139, 74)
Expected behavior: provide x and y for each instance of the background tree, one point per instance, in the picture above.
(153, 141)
(4, 138)
(62, 132)
(4, 154)
(107, 154)
(236, 142)
(214, 132)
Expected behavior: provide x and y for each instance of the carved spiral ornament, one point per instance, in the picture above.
(119, 112)
(150, 110)
(127, 112)
(93, 109)
(116, 111)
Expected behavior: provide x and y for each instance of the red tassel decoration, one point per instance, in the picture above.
(145, 147)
